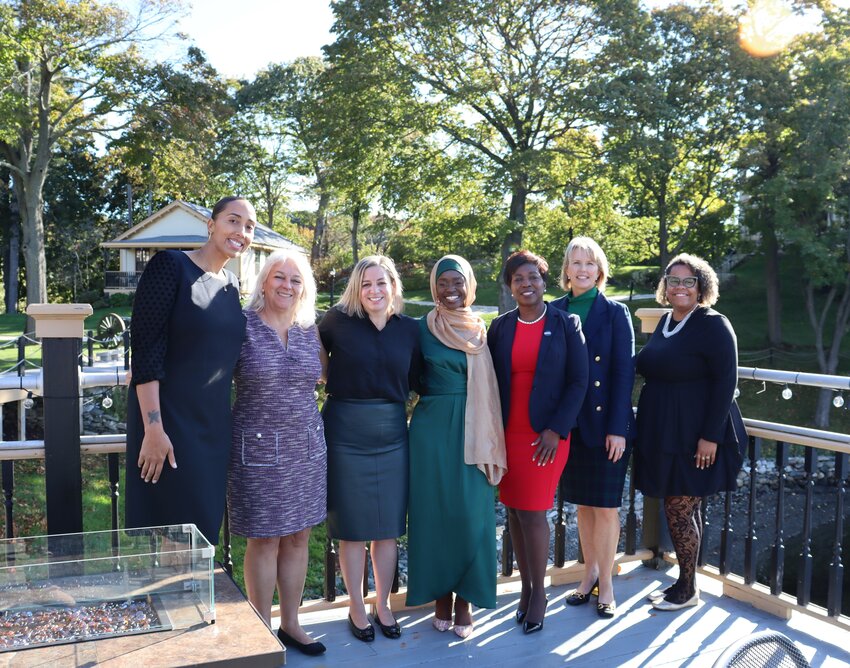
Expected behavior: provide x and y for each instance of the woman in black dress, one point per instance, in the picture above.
(187, 332)
(374, 361)
(599, 456)
(690, 433)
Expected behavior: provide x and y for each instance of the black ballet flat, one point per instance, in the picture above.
(310, 649)
(391, 631)
(366, 635)
(520, 616)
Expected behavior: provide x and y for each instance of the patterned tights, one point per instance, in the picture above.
(685, 523)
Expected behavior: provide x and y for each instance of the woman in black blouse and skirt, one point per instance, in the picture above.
(374, 359)
(690, 435)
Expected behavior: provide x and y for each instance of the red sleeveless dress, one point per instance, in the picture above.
(527, 486)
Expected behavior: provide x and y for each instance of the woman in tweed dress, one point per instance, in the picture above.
(277, 482)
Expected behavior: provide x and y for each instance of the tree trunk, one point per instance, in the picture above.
(11, 264)
(663, 238)
(319, 232)
(513, 239)
(32, 225)
(355, 226)
(772, 285)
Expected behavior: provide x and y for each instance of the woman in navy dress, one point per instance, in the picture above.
(541, 367)
(691, 437)
(188, 328)
(600, 449)
(277, 481)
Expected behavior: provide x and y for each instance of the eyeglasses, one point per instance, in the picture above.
(675, 281)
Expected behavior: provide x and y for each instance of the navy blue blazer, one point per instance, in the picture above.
(560, 378)
(607, 407)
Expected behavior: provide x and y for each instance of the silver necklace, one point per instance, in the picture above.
(537, 319)
(667, 332)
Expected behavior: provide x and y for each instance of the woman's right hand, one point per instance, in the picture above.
(156, 448)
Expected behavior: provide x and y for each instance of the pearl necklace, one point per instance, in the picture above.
(667, 332)
(537, 319)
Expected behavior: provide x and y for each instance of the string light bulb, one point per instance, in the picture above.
(736, 393)
(29, 402)
(787, 393)
(838, 401)
(107, 402)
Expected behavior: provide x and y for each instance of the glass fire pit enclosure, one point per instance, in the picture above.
(86, 586)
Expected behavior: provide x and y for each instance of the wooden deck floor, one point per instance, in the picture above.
(638, 636)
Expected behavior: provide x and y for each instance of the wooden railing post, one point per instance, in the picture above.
(60, 326)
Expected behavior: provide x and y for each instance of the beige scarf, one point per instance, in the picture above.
(461, 329)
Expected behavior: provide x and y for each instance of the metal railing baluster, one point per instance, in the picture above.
(777, 567)
(751, 541)
(726, 535)
(836, 567)
(804, 575)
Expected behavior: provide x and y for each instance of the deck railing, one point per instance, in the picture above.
(648, 541)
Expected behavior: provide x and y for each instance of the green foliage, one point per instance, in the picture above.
(672, 122)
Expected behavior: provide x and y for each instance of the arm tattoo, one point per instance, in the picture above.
(153, 416)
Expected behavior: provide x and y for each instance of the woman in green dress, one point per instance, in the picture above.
(457, 455)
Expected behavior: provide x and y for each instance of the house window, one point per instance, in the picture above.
(143, 256)
(258, 261)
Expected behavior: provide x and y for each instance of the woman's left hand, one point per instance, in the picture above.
(547, 447)
(616, 446)
(706, 453)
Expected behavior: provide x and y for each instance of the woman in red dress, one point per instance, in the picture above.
(541, 366)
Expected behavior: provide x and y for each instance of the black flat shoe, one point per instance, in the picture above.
(310, 649)
(391, 631)
(520, 616)
(366, 635)
(606, 610)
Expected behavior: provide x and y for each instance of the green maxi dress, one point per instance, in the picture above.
(451, 515)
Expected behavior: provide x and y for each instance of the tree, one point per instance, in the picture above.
(673, 121)
(65, 69)
(815, 204)
(171, 144)
(506, 78)
(285, 99)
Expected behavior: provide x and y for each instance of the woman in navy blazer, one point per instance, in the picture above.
(541, 368)
(606, 423)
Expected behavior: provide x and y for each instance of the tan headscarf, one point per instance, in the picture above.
(461, 329)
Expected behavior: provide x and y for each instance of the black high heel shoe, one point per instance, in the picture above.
(577, 598)
(520, 616)
(534, 627)
(310, 648)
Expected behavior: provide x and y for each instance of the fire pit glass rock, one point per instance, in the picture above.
(75, 587)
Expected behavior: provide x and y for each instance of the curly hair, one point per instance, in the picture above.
(707, 283)
(517, 259)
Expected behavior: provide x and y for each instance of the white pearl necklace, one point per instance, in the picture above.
(667, 332)
(537, 319)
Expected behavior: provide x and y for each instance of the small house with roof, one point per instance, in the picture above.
(183, 226)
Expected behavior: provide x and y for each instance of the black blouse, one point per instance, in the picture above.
(368, 363)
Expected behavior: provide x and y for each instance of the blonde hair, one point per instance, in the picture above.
(594, 251)
(707, 283)
(305, 311)
(350, 300)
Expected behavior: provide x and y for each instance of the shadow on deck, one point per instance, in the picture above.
(575, 636)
